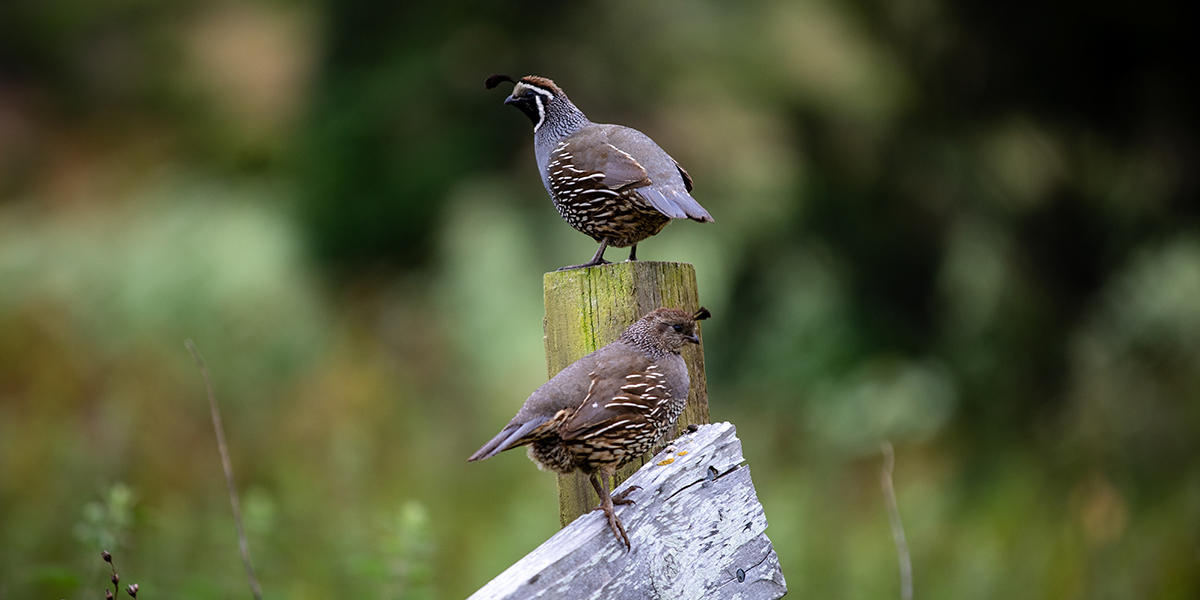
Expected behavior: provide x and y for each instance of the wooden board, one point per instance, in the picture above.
(697, 530)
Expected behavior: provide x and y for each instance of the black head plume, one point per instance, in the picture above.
(701, 314)
(496, 80)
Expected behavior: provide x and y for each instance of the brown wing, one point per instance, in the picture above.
(583, 162)
(626, 392)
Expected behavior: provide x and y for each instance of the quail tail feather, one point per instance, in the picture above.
(675, 203)
(514, 434)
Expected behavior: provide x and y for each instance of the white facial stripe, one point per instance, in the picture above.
(521, 87)
(541, 112)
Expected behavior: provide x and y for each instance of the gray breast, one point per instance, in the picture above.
(677, 376)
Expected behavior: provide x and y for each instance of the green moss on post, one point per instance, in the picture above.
(588, 308)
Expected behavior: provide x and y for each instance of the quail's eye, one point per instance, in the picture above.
(677, 328)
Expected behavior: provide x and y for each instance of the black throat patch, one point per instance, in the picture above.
(534, 107)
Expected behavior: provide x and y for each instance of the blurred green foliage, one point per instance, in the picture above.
(968, 228)
(105, 523)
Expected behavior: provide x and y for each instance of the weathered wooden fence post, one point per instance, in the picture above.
(588, 308)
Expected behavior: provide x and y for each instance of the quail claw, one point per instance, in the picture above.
(623, 497)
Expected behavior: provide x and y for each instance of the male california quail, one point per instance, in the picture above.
(608, 407)
(611, 182)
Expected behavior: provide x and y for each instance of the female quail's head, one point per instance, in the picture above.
(665, 330)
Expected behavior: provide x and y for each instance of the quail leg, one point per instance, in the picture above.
(598, 259)
(606, 505)
(633, 253)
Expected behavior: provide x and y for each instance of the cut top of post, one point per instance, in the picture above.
(589, 308)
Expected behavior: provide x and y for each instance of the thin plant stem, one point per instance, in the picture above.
(227, 466)
(889, 495)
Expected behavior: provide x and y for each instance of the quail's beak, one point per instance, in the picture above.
(695, 339)
(511, 100)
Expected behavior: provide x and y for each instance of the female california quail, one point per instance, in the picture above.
(608, 407)
(610, 182)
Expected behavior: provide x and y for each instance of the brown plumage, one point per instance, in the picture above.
(608, 407)
(610, 182)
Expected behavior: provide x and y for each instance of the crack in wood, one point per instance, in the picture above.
(742, 577)
(712, 475)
